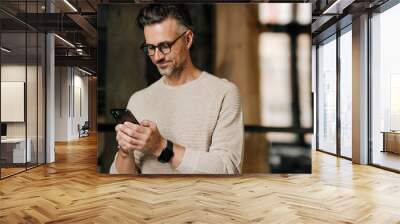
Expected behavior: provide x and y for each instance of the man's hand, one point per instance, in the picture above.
(123, 152)
(144, 137)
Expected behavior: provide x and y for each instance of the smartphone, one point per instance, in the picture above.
(122, 115)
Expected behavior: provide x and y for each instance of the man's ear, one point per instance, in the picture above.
(189, 39)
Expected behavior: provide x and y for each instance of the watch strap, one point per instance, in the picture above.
(167, 153)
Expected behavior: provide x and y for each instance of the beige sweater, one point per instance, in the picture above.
(203, 115)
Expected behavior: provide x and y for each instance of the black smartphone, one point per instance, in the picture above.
(122, 115)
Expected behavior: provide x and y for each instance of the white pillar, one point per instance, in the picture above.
(50, 93)
(360, 90)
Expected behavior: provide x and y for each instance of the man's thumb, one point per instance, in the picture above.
(145, 123)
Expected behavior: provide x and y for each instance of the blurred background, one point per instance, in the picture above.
(266, 52)
(73, 60)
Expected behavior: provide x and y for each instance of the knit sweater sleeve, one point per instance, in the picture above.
(226, 150)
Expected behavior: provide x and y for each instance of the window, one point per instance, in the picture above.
(346, 93)
(277, 13)
(275, 81)
(22, 73)
(285, 84)
(385, 88)
(327, 95)
(278, 107)
(304, 69)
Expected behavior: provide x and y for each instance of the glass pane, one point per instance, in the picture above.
(31, 97)
(31, 88)
(41, 98)
(277, 13)
(385, 86)
(327, 96)
(42, 6)
(304, 69)
(345, 94)
(304, 13)
(13, 86)
(275, 81)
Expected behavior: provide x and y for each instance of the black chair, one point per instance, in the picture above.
(84, 130)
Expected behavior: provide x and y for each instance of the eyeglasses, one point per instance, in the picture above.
(163, 47)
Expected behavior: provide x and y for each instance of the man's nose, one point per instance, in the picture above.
(158, 55)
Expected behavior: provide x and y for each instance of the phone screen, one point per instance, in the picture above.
(122, 115)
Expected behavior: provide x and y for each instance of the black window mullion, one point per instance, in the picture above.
(37, 90)
(338, 98)
(369, 101)
(316, 98)
(26, 87)
(0, 96)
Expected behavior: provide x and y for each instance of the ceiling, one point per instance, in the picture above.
(76, 22)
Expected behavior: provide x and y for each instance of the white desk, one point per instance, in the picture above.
(19, 149)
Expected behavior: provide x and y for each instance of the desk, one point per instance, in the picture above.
(391, 141)
(13, 150)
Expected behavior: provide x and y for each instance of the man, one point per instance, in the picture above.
(190, 121)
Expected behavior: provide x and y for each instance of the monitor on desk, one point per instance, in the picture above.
(3, 130)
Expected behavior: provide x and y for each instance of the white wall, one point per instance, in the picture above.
(70, 84)
(61, 103)
(80, 89)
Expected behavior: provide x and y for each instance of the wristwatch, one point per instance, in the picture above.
(167, 153)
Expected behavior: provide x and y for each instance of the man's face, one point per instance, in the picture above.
(167, 31)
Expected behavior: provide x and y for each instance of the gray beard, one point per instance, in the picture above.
(170, 71)
(166, 72)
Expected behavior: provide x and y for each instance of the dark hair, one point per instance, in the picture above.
(157, 13)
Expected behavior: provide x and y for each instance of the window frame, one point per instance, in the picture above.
(346, 26)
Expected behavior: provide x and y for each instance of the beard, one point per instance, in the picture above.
(169, 70)
(166, 71)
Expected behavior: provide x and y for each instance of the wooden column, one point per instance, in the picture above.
(237, 60)
(92, 84)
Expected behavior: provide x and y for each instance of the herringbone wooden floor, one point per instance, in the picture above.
(71, 191)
